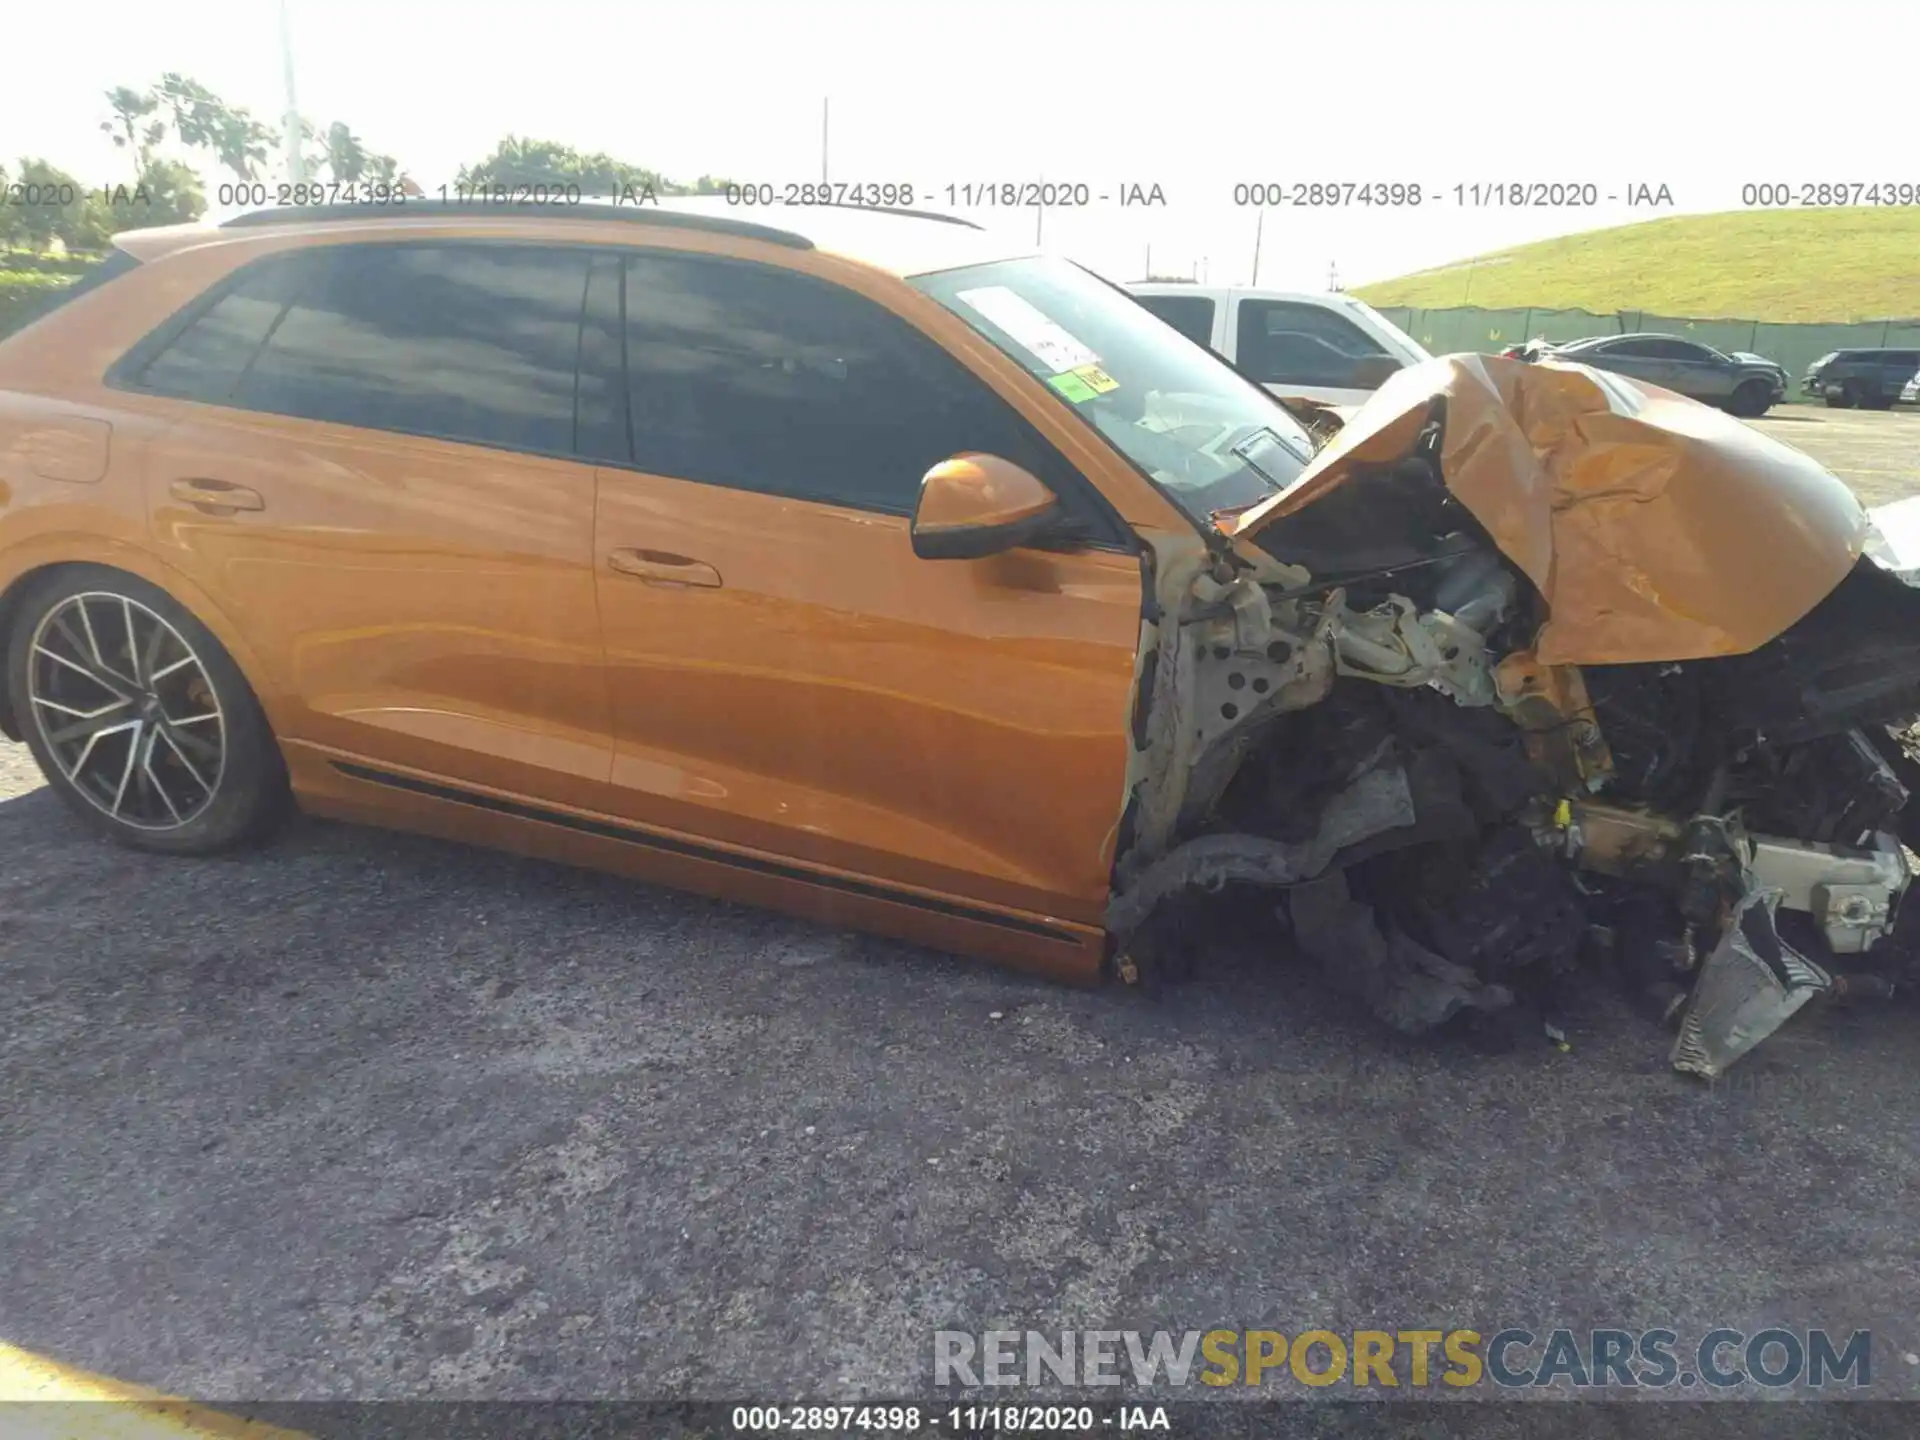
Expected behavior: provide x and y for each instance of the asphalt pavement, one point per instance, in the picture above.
(361, 1115)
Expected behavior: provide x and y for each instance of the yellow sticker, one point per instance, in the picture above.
(1097, 379)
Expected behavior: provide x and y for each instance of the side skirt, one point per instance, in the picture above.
(340, 787)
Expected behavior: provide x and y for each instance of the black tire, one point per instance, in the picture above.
(138, 717)
(1750, 399)
(1845, 400)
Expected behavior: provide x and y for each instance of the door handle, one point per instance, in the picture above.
(217, 497)
(658, 567)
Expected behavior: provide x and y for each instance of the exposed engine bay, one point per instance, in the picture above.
(1378, 717)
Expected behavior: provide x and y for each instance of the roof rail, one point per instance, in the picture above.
(422, 208)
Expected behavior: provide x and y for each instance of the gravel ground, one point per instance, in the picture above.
(361, 1115)
(1875, 451)
(18, 773)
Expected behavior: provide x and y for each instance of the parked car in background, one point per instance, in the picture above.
(1869, 379)
(1327, 347)
(1910, 392)
(1741, 384)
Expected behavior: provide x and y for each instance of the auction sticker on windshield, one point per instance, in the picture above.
(1046, 340)
(1088, 382)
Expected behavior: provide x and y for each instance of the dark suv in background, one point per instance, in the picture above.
(1871, 379)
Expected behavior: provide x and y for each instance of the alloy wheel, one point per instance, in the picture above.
(127, 710)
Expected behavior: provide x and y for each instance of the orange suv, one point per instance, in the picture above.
(599, 531)
(877, 571)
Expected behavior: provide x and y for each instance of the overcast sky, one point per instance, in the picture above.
(1698, 96)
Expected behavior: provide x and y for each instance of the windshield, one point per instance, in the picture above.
(1208, 438)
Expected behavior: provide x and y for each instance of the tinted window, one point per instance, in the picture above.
(1681, 350)
(1630, 349)
(206, 359)
(1191, 315)
(766, 380)
(1904, 359)
(469, 342)
(1285, 342)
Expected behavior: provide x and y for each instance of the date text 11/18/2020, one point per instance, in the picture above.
(1305, 194)
(1476, 195)
(956, 1420)
(246, 194)
(970, 194)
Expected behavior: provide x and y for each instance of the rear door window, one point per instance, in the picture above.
(471, 342)
(478, 343)
(205, 360)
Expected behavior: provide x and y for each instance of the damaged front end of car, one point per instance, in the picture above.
(1533, 668)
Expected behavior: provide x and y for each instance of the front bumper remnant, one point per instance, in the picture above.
(1850, 894)
(1748, 988)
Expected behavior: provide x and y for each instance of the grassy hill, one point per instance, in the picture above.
(1779, 265)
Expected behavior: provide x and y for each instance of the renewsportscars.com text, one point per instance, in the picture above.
(1510, 1358)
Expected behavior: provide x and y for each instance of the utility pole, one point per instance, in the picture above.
(296, 160)
(1259, 224)
(824, 103)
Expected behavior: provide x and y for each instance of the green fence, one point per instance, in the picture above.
(1793, 346)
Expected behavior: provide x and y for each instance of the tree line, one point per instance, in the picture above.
(164, 129)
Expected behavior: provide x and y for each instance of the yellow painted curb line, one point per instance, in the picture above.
(57, 1402)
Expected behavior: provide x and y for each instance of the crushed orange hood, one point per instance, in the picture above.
(1655, 527)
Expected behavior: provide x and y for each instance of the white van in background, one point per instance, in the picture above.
(1328, 347)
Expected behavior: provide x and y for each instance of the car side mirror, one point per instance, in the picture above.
(1370, 372)
(977, 505)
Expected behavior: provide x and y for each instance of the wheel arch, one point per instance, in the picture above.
(26, 567)
(1757, 385)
